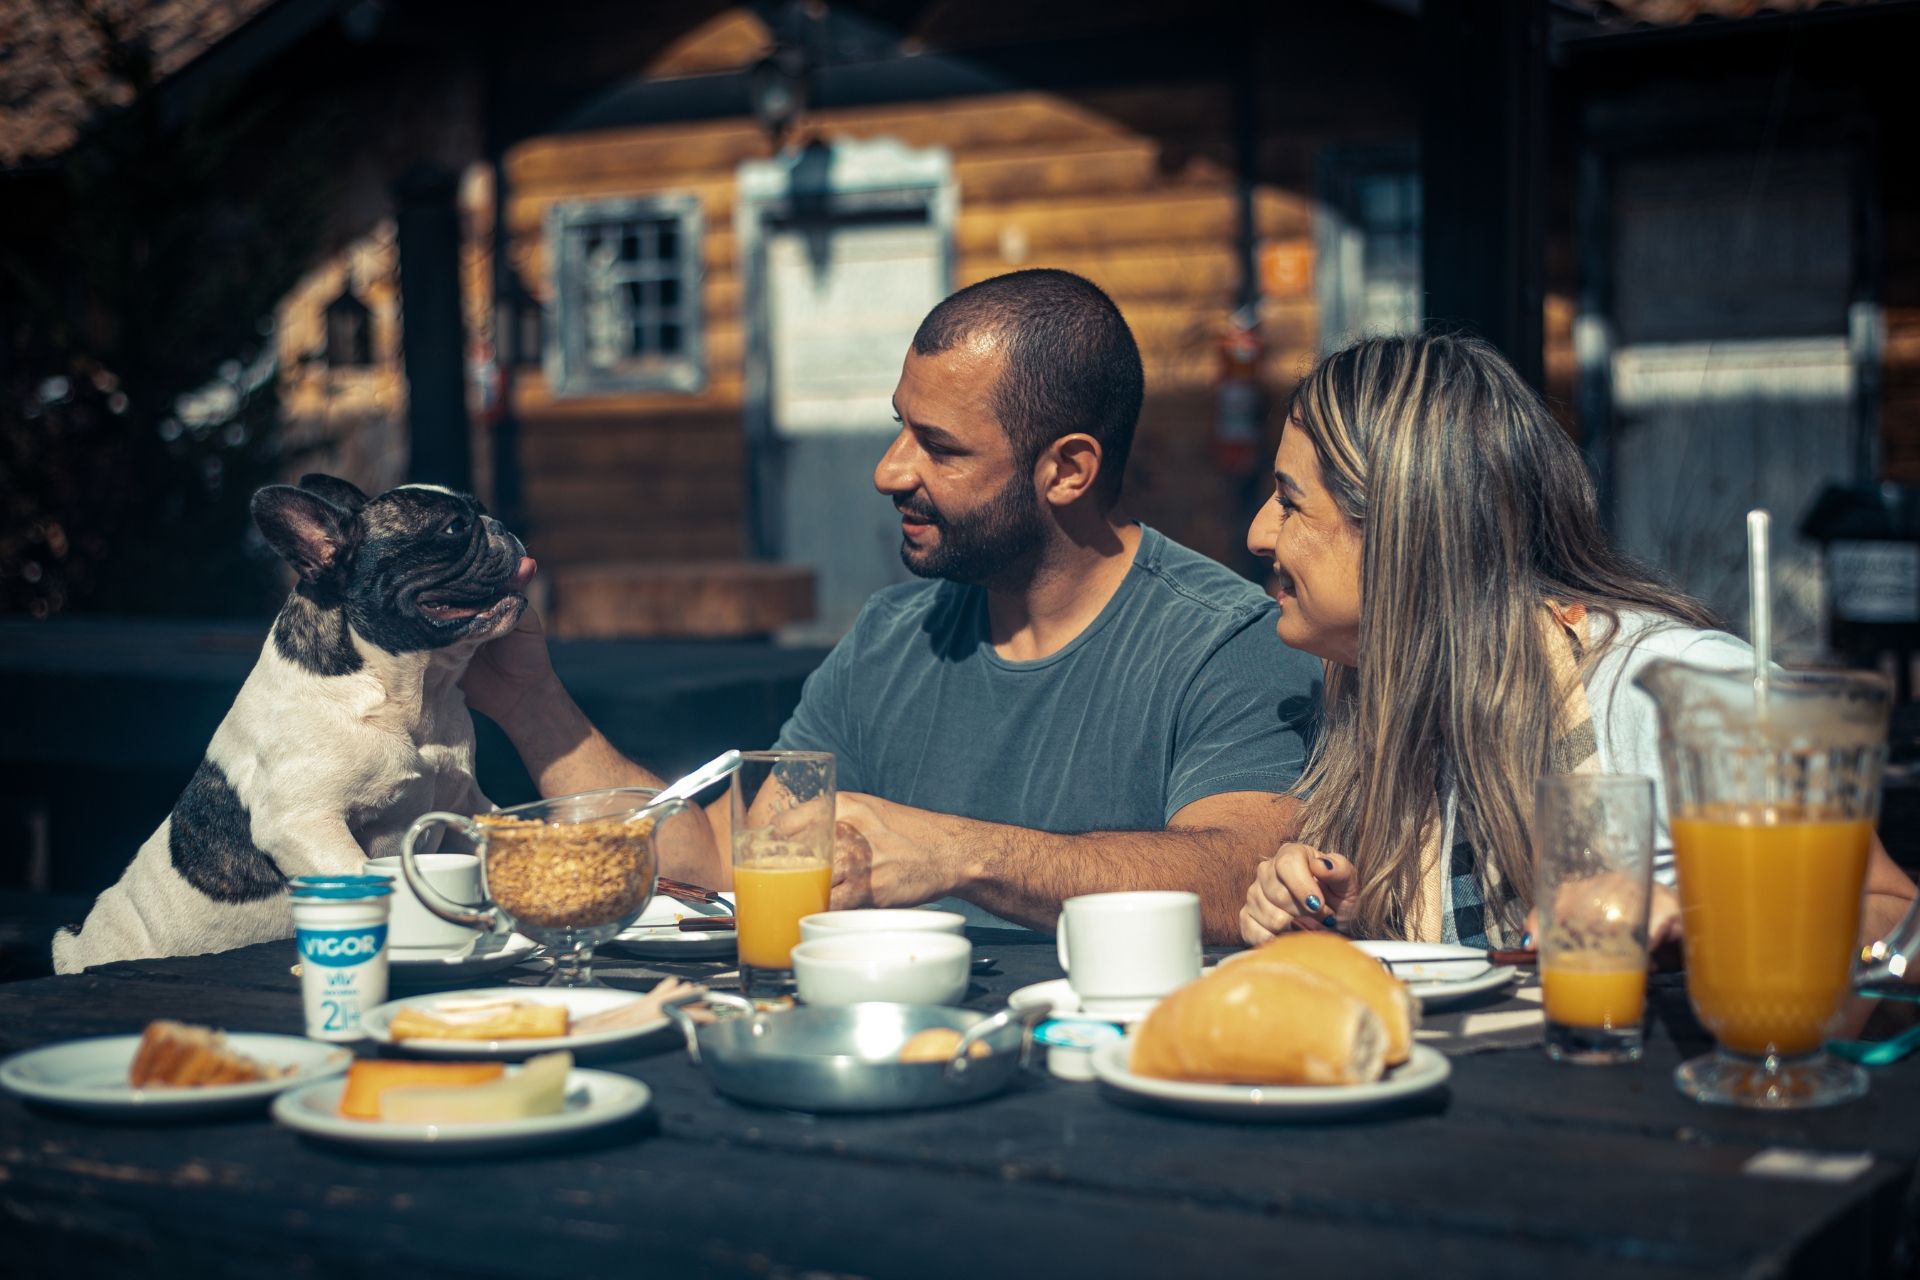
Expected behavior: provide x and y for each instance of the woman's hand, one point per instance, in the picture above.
(1299, 887)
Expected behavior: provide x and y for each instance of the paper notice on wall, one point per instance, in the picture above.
(844, 302)
(1874, 581)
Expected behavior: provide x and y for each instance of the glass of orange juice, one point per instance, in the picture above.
(1593, 850)
(782, 805)
(1773, 787)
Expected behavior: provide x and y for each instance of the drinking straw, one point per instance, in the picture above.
(1759, 602)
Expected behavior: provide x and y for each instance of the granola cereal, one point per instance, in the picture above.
(569, 875)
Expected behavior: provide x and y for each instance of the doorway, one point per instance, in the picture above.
(1731, 368)
(845, 247)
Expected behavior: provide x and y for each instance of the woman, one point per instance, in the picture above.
(1435, 539)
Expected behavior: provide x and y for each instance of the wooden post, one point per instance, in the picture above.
(440, 449)
(1483, 172)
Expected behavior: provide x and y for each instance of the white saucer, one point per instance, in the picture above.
(594, 1098)
(1425, 1069)
(580, 1002)
(487, 953)
(1442, 982)
(656, 935)
(1063, 1003)
(91, 1076)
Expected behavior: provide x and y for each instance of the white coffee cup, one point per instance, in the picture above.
(411, 927)
(1122, 950)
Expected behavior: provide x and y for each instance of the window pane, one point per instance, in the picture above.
(625, 302)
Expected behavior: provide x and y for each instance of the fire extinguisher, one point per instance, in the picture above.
(1240, 402)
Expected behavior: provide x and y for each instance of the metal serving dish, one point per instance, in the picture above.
(846, 1057)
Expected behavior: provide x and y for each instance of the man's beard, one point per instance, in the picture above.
(983, 545)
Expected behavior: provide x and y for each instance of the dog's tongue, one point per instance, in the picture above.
(524, 571)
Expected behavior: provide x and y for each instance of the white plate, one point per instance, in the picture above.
(1063, 1003)
(594, 1098)
(580, 1002)
(656, 935)
(91, 1075)
(487, 954)
(1443, 982)
(1425, 1069)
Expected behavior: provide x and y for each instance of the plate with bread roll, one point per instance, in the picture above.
(1307, 1027)
(1440, 974)
(171, 1070)
(460, 1108)
(519, 1022)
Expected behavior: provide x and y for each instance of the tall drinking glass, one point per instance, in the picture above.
(1593, 849)
(1772, 789)
(782, 805)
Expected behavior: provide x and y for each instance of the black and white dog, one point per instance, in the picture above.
(351, 725)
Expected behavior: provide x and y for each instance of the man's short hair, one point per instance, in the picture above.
(1072, 364)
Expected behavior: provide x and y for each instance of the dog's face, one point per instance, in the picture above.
(419, 567)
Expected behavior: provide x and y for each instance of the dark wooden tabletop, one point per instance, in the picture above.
(1518, 1168)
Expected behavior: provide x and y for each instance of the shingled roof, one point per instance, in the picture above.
(63, 60)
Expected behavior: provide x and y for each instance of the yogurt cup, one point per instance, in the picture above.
(1070, 1043)
(340, 929)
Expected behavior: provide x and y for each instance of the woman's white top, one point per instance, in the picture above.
(1624, 721)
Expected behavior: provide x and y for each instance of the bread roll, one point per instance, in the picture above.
(1353, 970)
(1266, 1023)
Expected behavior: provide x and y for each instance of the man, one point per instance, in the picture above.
(1069, 704)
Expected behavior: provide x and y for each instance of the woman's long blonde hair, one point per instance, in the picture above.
(1476, 509)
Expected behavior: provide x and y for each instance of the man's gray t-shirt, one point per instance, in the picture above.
(1179, 690)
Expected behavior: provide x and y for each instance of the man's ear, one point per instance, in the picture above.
(309, 532)
(343, 494)
(1068, 469)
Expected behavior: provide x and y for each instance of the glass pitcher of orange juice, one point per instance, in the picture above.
(1773, 788)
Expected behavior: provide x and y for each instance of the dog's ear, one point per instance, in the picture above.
(343, 494)
(309, 532)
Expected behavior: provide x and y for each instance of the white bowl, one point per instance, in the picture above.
(908, 968)
(826, 924)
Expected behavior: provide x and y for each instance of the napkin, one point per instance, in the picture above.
(1518, 1022)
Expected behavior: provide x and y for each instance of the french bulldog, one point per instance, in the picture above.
(351, 725)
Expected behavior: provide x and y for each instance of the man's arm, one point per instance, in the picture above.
(512, 682)
(1212, 847)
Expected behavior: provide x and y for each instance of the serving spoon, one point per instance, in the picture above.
(699, 780)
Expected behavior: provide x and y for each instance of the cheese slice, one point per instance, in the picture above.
(537, 1089)
(368, 1078)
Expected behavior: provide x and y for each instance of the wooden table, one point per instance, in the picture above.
(1518, 1168)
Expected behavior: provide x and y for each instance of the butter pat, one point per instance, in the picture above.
(538, 1089)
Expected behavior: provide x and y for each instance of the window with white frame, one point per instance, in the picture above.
(626, 313)
(1369, 243)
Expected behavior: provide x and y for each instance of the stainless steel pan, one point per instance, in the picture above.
(846, 1057)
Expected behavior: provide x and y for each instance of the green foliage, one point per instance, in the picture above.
(146, 269)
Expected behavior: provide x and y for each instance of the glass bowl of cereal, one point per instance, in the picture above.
(569, 872)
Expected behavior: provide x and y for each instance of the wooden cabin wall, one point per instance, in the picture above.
(1044, 180)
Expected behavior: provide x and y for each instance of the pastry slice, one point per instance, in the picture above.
(483, 1019)
(181, 1055)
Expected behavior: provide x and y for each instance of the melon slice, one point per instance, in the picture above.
(538, 1089)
